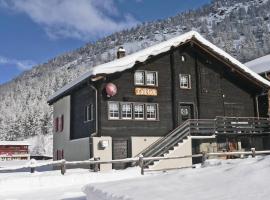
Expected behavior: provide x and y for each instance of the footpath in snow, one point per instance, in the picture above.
(246, 179)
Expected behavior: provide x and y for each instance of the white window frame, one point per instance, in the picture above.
(145, 81)
(138, 112)
(182, 85)
(155, 78)
(88, 116)
(155, 113)
(135, 78)
(126, 114)
(113, 112)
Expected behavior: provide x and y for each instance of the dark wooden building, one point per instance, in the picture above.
(119, 109)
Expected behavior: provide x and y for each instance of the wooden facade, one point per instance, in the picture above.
(216, 90)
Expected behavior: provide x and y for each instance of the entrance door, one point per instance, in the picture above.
(185, 112)
(120, 151)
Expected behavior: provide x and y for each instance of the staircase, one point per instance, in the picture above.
(176, 142)
(183, 148)
(164, 144)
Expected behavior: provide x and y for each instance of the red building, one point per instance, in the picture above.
(14, 150)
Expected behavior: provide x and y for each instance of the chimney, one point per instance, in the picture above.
(121, 52)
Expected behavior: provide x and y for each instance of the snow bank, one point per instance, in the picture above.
(233, 179)
(52, 185)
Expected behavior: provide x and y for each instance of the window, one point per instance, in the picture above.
(184, 111)
(126, 111)
(132, 111)
(185, 82)
(88, 113)
(113, 110)
(151, 112)
(139, 78)
(139, 111)
(148, 78)
(151, 78)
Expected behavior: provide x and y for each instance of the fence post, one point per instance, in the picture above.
(33, 163)
(63, 167)
(253, 152)
(96, 165)
(32, 169)
(141, 164)
(90, 165)
(204, 157)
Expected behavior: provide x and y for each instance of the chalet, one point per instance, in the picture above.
(14, 150)
(181, 96)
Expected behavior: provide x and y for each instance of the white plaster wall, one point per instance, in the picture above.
(103, 153)
(183, 149)
(74, 150)
(138, 144)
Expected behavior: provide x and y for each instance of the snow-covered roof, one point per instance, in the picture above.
(260, 65)
(129, 61)
(15, 143)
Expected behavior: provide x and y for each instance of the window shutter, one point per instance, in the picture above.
(59, 123)
(56, 124)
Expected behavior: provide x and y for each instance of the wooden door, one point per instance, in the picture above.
(185, 112)
(120, 151)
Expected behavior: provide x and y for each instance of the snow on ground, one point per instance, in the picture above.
(240, 179)
(51, 185)
(232, 179)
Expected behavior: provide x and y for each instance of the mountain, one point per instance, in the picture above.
(240, 27)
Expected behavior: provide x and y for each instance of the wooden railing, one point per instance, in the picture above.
(242, 125)
(206, 127)
(202, 126)
(229, 125)
(141, 161)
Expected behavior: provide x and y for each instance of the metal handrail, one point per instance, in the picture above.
(166, 138)
(162, 139)
(174, 138)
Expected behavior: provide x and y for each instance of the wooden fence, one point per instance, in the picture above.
(95, 163)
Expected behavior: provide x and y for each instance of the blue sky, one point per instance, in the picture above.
(33, 31)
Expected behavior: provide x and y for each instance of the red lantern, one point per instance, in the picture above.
(111, 89)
